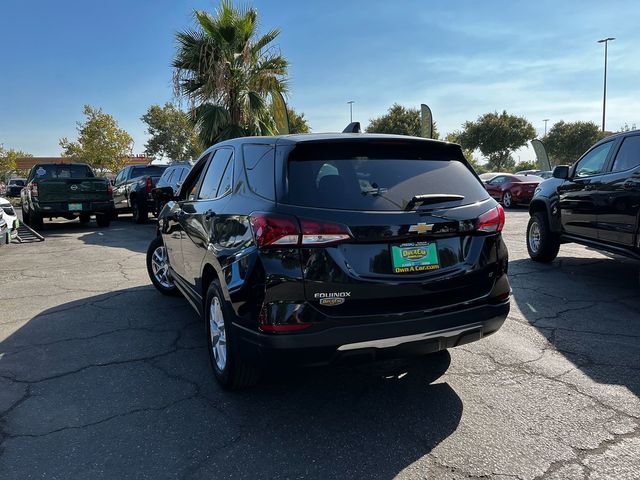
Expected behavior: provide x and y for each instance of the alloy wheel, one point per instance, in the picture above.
(506, 199)
(218, 334)
(534, 237)
(160, 267)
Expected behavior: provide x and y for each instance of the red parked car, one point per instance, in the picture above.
(512, 189)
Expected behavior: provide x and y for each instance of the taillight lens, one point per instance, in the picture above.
(275, 230)
(34, 189)
(283, 230)
(322, 233)
(491, 221)
(149, 185)
(109, 188)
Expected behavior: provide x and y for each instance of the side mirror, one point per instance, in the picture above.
(561, 172)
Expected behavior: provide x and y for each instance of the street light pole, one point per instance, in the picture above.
(604, 95)
(545, 120)
(350, 102)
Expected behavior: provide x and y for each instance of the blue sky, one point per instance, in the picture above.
(537, 59)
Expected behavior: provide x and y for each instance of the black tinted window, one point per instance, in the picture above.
(628, 155)
(44, 172)
(215, 171)
(147, 171)
(377, 183)
(259, 165)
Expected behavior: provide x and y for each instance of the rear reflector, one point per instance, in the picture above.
(285, 327)
(491, 221)
(282, 230)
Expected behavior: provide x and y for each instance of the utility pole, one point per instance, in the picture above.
(350, 102)
(604, 95)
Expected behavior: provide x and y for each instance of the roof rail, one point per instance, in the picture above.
(353, 127)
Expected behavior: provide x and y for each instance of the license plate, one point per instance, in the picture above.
(414, 257)
(73, 207)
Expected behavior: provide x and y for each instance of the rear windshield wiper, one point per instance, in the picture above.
(427, 199)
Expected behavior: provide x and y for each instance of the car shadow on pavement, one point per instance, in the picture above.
(589, 310)
(119, 385)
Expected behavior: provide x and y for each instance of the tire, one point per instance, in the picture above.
(85, 218)
(36, 221)
(26, 218)
(162, 281)
(103, 220)
(507, 200)
(140, 214)
(233, 372)
(542, 244)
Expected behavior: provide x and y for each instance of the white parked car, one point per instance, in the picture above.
(4, 231)
(11, 218)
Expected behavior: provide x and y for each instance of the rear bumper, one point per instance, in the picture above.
(392, 339)
(62, 208)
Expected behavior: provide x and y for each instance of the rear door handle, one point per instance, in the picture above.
(209, 214)
(631, 185)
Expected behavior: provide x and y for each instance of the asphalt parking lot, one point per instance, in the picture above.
(102, 377)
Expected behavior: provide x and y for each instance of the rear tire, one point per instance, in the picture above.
(542, 244)
(140, 214)
(231, 370)
(37, 222)
(85, 218)
(103, 220)
(158, 268)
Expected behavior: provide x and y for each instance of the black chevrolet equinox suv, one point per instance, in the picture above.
(316, 249)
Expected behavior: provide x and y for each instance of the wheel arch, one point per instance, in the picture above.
(542, 205)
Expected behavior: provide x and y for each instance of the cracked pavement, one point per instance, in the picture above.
(102, 377)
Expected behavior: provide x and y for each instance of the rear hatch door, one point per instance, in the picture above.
(411, 210)
(69, 183)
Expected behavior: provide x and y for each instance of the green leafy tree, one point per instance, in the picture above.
(497, 136)
(8, 162)
(454, 137)
(567, 141)
(227, 71)
(399, 121)
(101, 143)
(525, 165)
(173, 135)
(297, 122)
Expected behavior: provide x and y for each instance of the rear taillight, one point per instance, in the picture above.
(109, 188)
(275, 230)
(491, 221)
(323, 233)
(283, 230)
(34, 189)
(149, 185)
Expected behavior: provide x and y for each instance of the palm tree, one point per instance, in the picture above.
(228, 72)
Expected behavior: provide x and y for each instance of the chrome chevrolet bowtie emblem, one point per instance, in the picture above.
(74, 187)
(421, 227)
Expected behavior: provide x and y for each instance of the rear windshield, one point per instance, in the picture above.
(17, 182)
(45, 172)
(149, 171)
(376, 184)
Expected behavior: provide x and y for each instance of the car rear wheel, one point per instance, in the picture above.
(103, 220)
(507, 199)
(231, 370)
(158, 268)
(542, 244)
(140, 214)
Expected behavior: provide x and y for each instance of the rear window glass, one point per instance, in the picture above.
(368, 182)
(259, 165)
(20, 183)
(151, 171)
(528, 178)
(43, 172)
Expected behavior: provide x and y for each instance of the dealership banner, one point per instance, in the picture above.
(279, 111)
(427, 121)
(541, 154)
